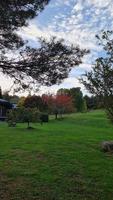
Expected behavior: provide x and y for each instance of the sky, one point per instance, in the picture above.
(76, 21)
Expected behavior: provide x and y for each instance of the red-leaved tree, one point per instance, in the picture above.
(59, 104)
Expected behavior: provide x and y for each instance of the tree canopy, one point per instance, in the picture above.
(35, 102)
(47, 65)
(99, 81)
(77, 96)
(13, 15)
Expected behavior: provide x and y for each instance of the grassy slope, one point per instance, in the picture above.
(57, 161)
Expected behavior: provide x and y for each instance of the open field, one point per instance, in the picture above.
(60, 160)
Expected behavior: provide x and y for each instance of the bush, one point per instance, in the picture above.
(21, 115)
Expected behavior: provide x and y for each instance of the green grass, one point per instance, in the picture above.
(60, 160)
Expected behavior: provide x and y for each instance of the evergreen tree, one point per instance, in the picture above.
(47, 65)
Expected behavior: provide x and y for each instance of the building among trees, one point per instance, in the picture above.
(4, 106)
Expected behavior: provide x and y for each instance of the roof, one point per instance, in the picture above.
(5, 103)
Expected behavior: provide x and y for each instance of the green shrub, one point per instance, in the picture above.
(23, 115)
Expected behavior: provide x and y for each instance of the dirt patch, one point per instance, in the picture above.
(27, 155)
(12, 189)
(41, 156)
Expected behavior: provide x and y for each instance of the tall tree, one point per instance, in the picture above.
(49, 100)
(100, 80)
(63, 104)
(58, 104)
(78, 100)
(76, 95)
(46, 65)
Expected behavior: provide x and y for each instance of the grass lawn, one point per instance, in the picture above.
(60, 160)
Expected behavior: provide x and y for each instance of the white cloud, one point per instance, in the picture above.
(68, 83)
(100, 3)
(79, 25)
(5, 82)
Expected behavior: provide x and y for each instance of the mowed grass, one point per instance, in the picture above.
(61, 160)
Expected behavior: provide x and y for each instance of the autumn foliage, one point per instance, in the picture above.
(64, 102)
(59, 103)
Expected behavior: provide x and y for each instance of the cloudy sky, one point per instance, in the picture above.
(77, 21)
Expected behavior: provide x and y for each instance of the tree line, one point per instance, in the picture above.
(64, 101)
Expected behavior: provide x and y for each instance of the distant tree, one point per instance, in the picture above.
(63, 91)
(63, 104)
(59, 104)
(77, 96)
(78, 100)
(21, 102)
(100, 80)
(34, 102)
(49, 101)
(84, 106)
(93, 102)
(6, 95)
(14, 99)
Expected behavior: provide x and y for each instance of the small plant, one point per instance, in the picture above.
(11, 118)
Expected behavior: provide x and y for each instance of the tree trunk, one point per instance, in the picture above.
(28, 124)
(56, 114)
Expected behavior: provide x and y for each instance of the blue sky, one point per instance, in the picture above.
(77, 21)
